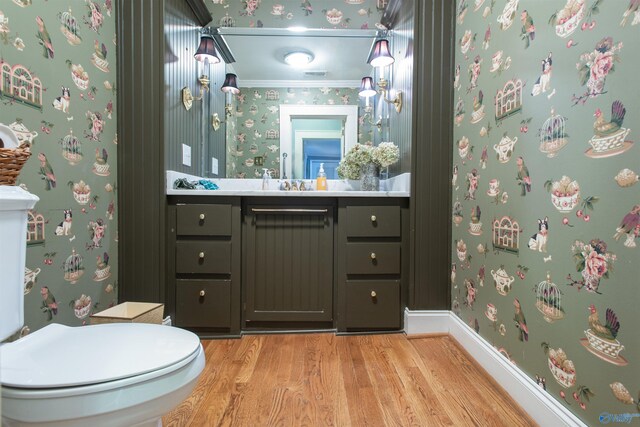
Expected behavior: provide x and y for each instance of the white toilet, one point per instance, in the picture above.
(101, 375)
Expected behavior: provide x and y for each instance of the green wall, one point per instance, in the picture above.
(73, 136)
(586, 262)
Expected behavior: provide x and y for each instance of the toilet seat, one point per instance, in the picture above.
(59, 357)
(119, 396)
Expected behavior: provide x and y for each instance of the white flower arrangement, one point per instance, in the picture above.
(383, 155)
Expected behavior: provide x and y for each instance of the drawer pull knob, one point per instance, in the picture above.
(373, 218)
(373, 294)
(201, 255)
(202, 293)
(201, 216)
(373, 255)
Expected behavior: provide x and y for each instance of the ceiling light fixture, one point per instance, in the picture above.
(298, 58)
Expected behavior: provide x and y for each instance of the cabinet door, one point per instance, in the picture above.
(289, 264)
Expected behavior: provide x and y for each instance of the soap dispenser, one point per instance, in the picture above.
(265, 179)
(321, 180)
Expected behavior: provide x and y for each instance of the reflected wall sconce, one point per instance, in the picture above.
(230, 87)
(187, 96)
(380, 57)
(367, 90)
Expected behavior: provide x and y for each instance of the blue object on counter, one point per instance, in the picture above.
(202, 184)
(208, 185)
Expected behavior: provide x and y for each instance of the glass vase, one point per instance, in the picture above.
(370, 177)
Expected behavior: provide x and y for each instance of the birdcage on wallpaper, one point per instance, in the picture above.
(70, 27)
(272, 134)
(549, 300)
(227, 21)
(73, 268)
(553, 135)
(71, 148)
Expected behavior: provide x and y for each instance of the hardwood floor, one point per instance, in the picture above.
(323, 379)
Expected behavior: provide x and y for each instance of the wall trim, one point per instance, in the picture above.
(540, 406)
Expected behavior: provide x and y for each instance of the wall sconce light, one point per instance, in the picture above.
(187, 96)
(380, 57)
(230, 87)
(384, 91)
(207, 50)
(367, 91)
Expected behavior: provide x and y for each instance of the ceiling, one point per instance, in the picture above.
(340, 56)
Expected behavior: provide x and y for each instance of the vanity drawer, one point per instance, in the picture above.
(373, 258)
(373, 221)
(203, 303)
(203, 220)
(209, 257)
(373, 304)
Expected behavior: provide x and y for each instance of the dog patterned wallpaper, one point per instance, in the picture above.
(57, 88)
(546, 206)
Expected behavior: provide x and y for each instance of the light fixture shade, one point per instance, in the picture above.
(380, 55)
(298, 58)
(207, 51)
(366, 87)
(230, 84)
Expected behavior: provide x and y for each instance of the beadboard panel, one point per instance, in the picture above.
(140, 32)
(431, 154)
(402, 23)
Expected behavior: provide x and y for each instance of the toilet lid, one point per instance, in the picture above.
(62, 356)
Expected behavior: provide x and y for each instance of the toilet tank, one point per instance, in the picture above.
(14, 204)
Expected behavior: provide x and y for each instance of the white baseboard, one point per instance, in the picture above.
(541, 407)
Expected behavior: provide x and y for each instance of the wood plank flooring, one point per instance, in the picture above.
(329, 380)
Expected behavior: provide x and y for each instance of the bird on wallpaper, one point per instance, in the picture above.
(609, 330)
(46, 172)
(633, 8)
(603, 128)
(44, 39)
(306, 7)
(629, 224)
(487, 38)
(528, 32)
(49, 304)
(520, 321)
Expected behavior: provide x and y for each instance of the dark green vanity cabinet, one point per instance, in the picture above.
(372, 263)
(204, 264)
(273, 263)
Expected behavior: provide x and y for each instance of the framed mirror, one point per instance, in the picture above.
(274, 94)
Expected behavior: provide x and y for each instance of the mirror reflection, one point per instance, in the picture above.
(312, 113)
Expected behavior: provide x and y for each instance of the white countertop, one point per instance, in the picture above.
(394, 187)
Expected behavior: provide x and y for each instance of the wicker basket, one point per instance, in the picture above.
(130, 312)
(11, 162)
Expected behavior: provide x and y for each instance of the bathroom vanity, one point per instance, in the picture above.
(272, 260)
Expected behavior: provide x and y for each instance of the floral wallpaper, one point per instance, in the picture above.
(255, 123)
(58, 65)
(546, 205)
(364, 14)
